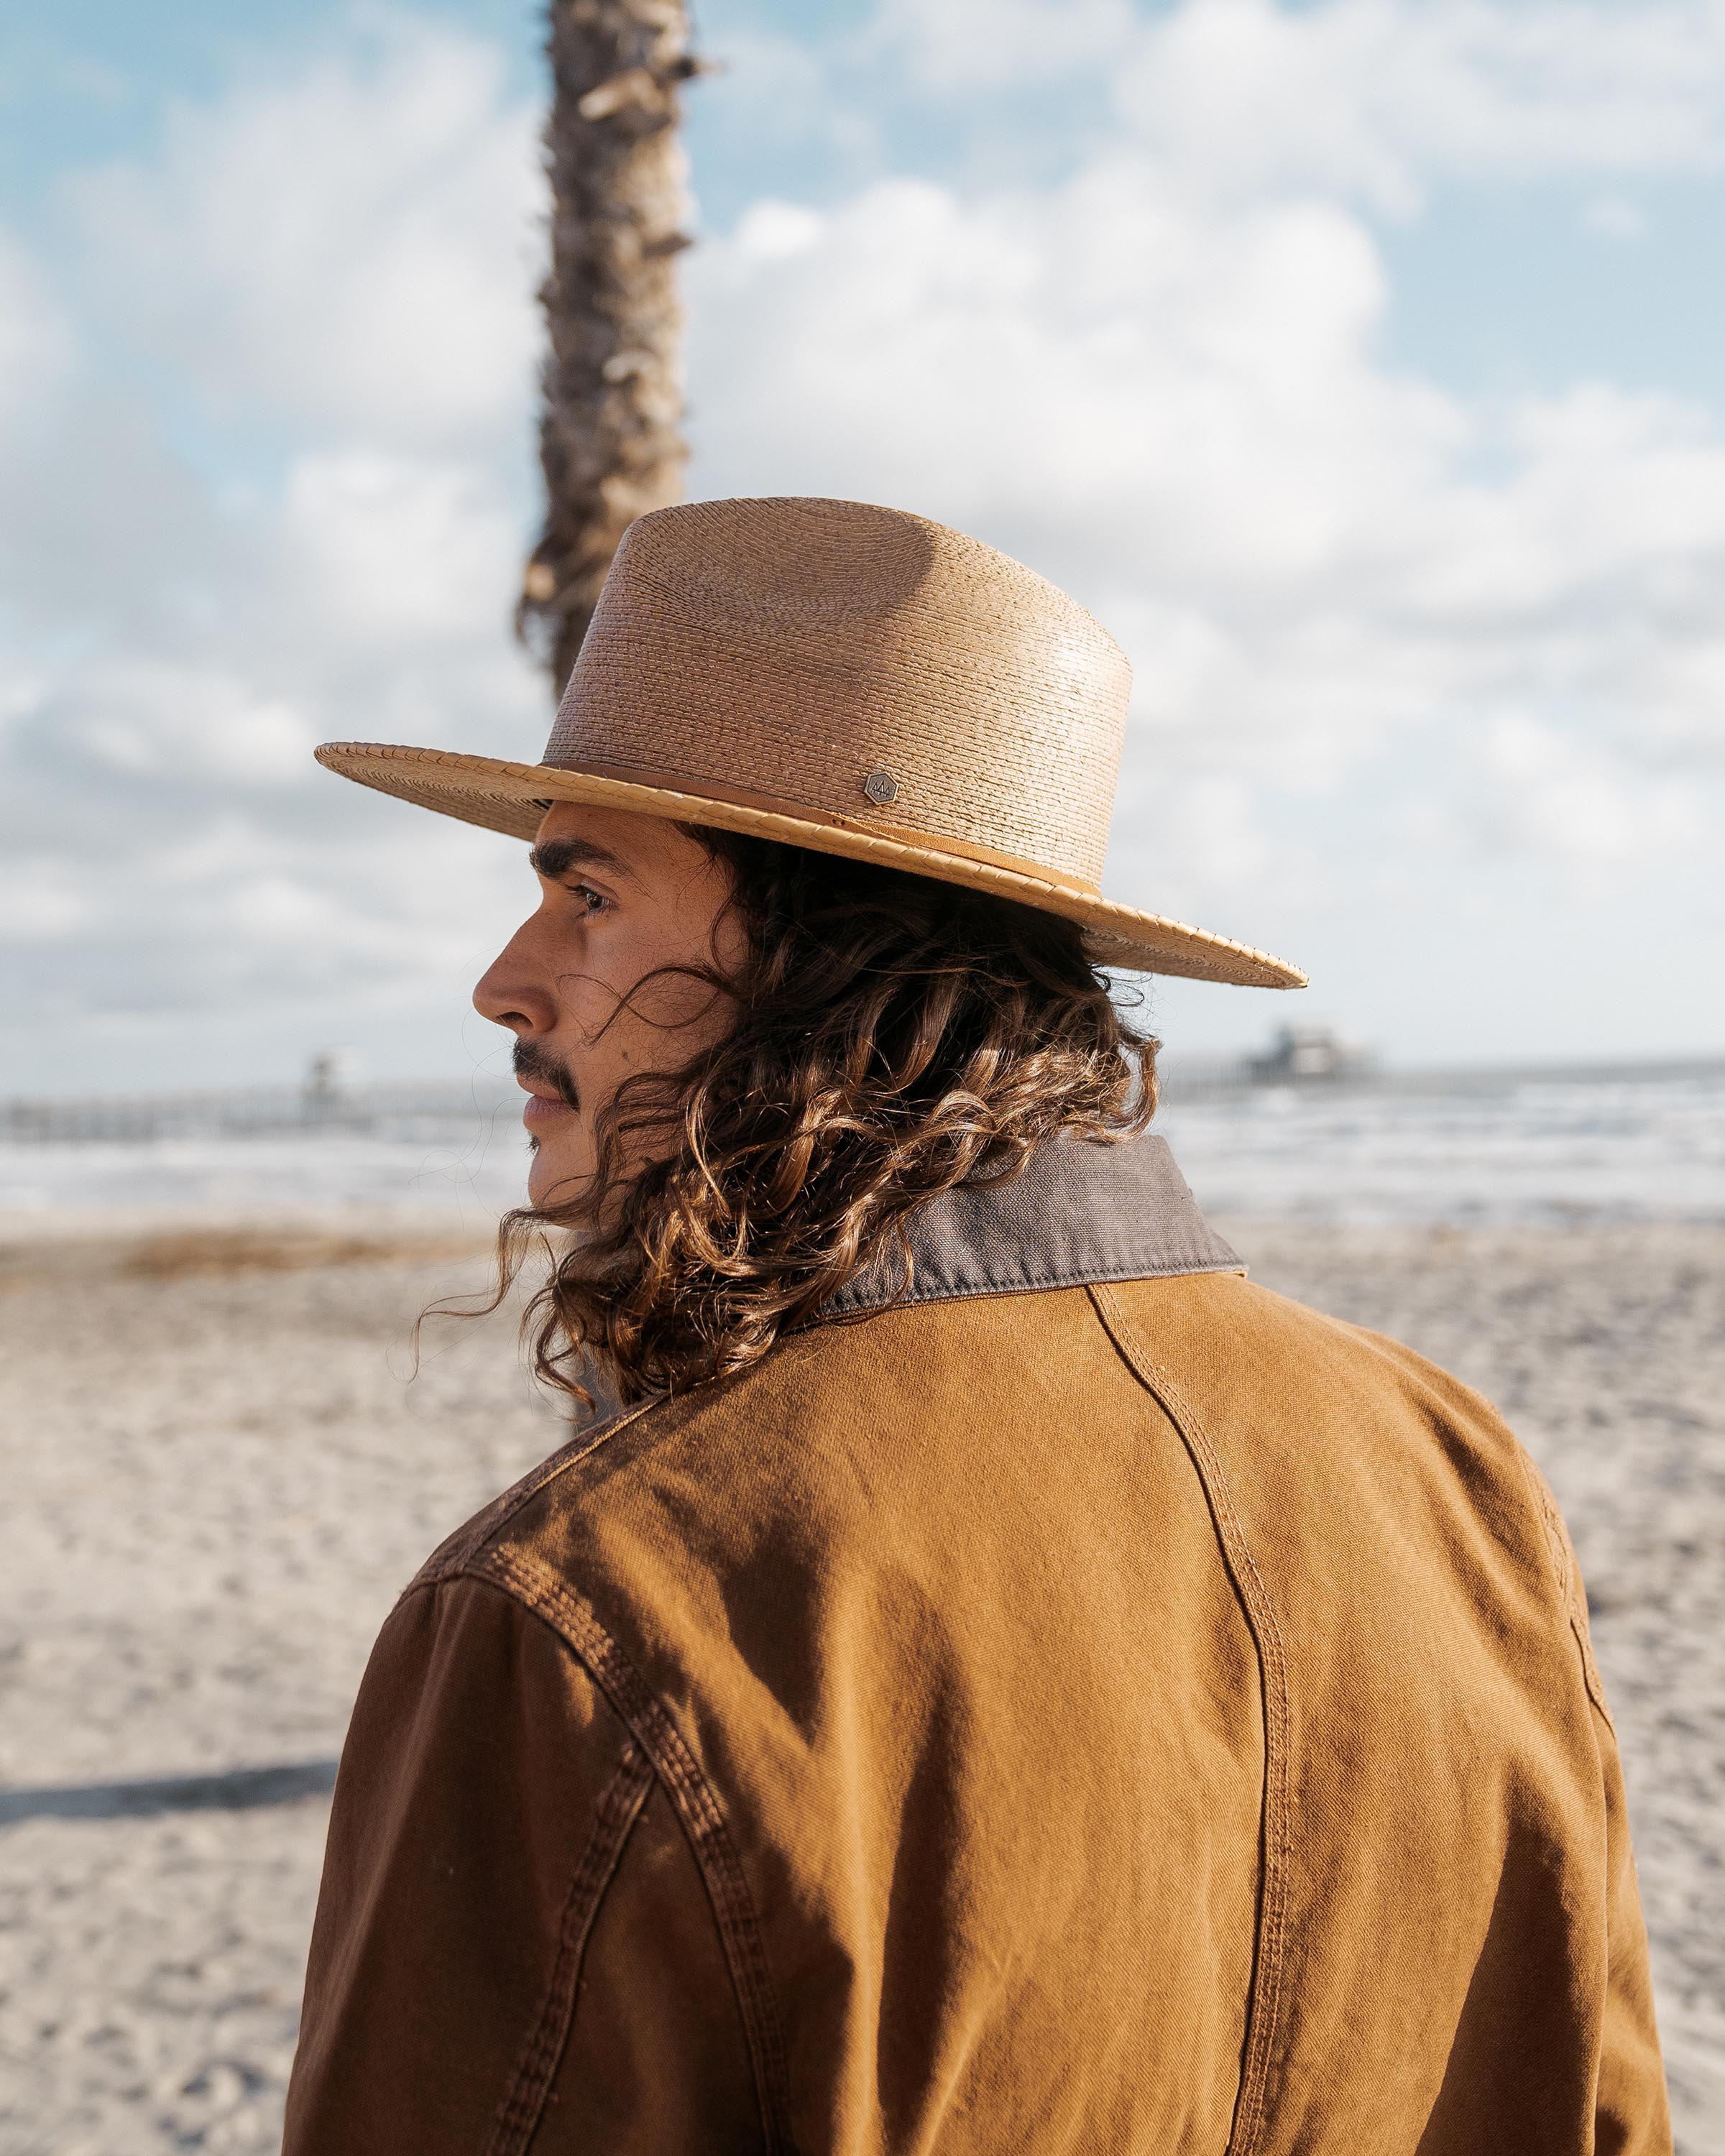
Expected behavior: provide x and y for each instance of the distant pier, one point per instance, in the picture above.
(1307, 1060)
(251, 1112)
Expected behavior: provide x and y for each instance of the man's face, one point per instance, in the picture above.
(620, 896)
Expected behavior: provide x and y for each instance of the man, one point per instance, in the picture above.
(999, 1681)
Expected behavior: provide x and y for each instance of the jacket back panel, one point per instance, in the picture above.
(1145, 1718)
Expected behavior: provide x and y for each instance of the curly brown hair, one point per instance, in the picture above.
(893, 1038)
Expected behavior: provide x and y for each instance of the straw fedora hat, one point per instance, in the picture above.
(852, 679)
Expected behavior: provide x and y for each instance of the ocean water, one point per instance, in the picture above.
(458, 1169)
(1538, 1154)
(1544, 1153)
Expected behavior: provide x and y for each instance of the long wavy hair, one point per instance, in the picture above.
(893, 1037)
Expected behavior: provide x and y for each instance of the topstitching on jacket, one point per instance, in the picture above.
(655, 1728)
(1260, 1614)
(619, 1806)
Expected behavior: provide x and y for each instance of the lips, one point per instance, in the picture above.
(544, 1108)
(553, 1098)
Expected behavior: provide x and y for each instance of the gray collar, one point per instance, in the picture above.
(1078, 1212)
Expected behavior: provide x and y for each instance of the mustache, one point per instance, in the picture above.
(532, 1061)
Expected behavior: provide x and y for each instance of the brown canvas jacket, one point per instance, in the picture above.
(1076, 1700)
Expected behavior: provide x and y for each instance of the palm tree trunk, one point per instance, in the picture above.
(609, 439)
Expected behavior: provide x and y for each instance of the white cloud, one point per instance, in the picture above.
(1374, 98)
(1055, 353)
(1384, 97)
(336, 263)
(773, 231)
(349, 247)
(1550, 792)
(1181, 412)
(41, 900)
(1171, 394)
(388, 552)
(960, 46)
(36, 339)
(151, 716)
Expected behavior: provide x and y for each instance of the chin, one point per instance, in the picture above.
(556, 1179)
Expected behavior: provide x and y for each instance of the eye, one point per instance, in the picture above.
(592, 902)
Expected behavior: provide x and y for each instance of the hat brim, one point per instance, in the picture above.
(512, 797)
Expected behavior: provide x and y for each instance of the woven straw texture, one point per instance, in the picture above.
(793, 648)
(854, 679)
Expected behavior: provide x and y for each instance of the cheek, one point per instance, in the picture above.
(647, 1011)
(592, 998)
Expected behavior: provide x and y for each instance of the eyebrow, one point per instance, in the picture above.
(552, 858)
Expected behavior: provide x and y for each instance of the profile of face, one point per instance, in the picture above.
(621, 896)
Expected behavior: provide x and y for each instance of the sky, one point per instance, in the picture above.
(1360, 363)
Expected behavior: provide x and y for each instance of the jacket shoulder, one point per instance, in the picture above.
(836, 1424)
(849, 1419)
(1233, 1336)
(461, 1551)
(1315, 1417)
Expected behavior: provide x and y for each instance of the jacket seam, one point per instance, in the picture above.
(617, 1808)
(1079, 1276)
(702, 1815)
(1264, 2003)
(1570, 1592)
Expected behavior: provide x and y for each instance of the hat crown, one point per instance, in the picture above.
(860, 665)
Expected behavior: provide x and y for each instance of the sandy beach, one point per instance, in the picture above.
(218, 1477)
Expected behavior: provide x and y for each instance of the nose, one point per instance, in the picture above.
(512, 992)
